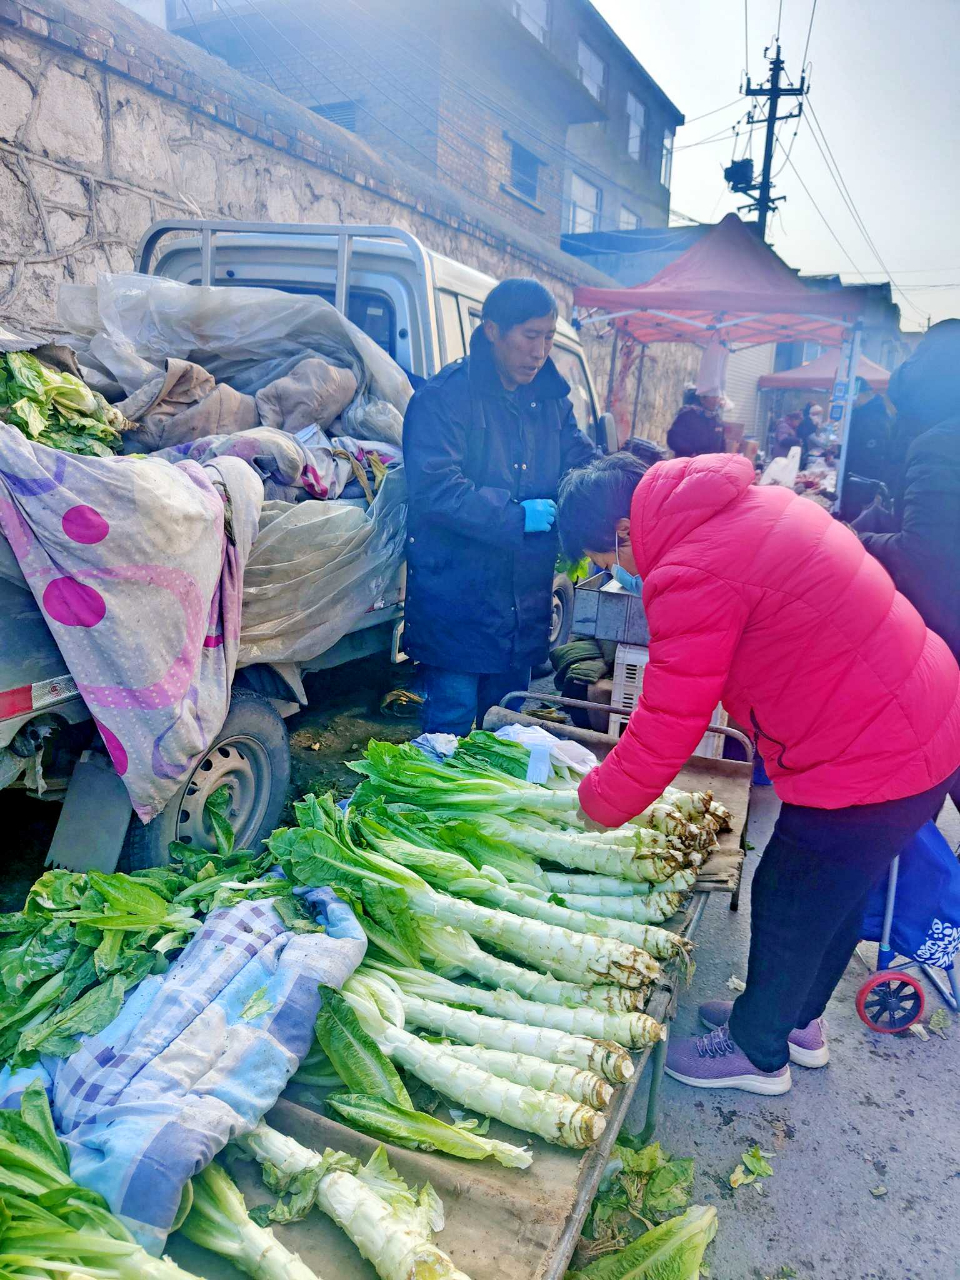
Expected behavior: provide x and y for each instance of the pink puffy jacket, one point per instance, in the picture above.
(758, 598)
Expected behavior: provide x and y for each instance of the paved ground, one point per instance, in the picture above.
(884, 1113)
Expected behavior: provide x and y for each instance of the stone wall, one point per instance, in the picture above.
(108, 123)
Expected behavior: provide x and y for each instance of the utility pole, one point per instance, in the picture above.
(739, 174)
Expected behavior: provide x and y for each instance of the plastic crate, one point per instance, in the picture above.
(627, 683)
(602, 609)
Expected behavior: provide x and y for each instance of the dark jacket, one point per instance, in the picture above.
(479, 590)
(695, 431)
(923, 556)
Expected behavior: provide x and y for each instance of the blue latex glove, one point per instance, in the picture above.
(538, 514)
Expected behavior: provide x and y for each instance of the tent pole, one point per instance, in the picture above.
(850, 373)
(636, 398)
(613, 370)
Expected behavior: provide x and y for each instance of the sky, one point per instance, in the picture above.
(883, 80)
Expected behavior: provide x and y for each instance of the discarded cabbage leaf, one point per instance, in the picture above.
(671, 1251)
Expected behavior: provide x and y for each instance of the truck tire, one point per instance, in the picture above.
(251, 756)
(561, 618)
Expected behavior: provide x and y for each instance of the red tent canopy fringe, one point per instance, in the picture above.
(820, 375)
(729, 286)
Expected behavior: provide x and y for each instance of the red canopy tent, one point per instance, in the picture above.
(820, 375)
(730, 288)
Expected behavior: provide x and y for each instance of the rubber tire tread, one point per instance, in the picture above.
(146, 845)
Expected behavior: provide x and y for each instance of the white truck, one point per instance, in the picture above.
(418, 306)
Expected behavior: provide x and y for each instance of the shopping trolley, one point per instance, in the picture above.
(922, 935)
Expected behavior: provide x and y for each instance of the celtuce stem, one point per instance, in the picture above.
(521, 1068)
(397, 1246)
(550, 1115)
(574, 956)
(454, 951)
(607, 1059)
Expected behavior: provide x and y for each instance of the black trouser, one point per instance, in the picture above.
(807, 904)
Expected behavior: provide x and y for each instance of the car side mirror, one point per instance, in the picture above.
(607, 433)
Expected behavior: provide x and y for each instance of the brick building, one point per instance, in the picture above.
(533, 107)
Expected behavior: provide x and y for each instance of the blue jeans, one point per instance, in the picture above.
(454, 699)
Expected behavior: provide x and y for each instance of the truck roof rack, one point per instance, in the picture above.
(209, 229)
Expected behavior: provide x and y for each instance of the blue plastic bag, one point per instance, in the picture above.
(926, 916)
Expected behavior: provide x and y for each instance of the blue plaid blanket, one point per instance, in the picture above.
(196, 1057)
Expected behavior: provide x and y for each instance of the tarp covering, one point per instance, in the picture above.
(732, 285)
(820, 375)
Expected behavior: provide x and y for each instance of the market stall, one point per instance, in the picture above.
(194, 1056)
(728, 291)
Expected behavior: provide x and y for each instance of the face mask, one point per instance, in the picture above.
(631, 582)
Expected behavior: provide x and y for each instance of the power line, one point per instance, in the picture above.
(806, 47)
(779, 19)
(833, 168)
(726, 106)
(196, 27)
(236, 26)
(823, 216)
(746, 36)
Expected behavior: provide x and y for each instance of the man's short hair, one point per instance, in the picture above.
(518, 300)
(593, 499)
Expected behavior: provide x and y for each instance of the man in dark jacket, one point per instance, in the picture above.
(485, 445)
(697, 427)
(921, 551)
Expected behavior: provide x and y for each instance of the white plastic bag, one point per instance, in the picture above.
(315, 569)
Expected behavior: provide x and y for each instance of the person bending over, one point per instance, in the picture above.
(757, 598)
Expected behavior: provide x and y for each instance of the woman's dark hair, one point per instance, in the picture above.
(518, 300)
(593, 499)
(691, 396)
(646, 450)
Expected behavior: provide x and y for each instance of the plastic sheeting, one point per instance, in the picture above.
(315, 569)
(127, 326)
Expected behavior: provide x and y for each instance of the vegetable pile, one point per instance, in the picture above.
(632, 1231)
(57, 409)
(83, 940)
(464, 870)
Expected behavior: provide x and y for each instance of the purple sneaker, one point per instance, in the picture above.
(808, 1045)
(714, 1062)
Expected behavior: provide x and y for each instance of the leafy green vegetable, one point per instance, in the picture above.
(218, 1220)
(754, 1164)
(757, 1162)
(55, 408)
(671, 1251)
(362, 1066)
(82, 940)
(257, 1005)
(50, 1226)
(419, 1131)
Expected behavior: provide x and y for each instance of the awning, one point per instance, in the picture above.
(729, 286)
(820, 375)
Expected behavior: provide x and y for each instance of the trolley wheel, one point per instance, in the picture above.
(890, 1001)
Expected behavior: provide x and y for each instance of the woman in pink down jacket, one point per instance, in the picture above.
(758, 598)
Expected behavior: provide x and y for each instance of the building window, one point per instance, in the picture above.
(583, 212)
(524, 171)
(636, 119)
(534, 15)
(592, 70)
(629, 221)
(666, 162)
(342, 113)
